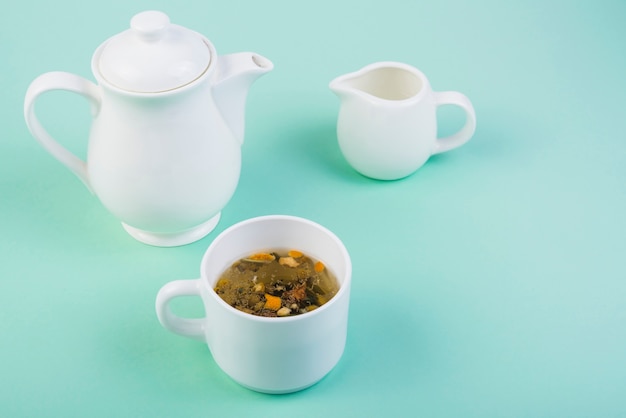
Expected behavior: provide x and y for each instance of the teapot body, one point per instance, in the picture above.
(162, 163)
(164, 153)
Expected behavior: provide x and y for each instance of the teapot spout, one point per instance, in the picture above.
(234, 75)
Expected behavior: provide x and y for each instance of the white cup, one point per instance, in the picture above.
(271, 355)
(387, 124)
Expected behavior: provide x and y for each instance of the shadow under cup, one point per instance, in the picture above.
(271, 355)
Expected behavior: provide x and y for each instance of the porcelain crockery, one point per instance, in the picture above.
(387, 123)
(168, 123)
(272, 355)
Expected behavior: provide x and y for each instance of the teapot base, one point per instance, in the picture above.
(173, 239)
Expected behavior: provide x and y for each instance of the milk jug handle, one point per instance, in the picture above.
(465, 133)
(60, 81)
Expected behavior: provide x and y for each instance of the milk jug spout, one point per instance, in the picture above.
(342, 86)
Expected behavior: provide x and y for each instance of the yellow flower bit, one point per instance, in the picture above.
(319, 267)
(272, 302)
(221, 283)
(295, 254)
(261, 258)
(288, 261)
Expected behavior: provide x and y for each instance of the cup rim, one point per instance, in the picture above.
(343, 288)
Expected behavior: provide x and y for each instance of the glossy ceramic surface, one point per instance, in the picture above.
(168, 122)
(271, 355)
(387, 125)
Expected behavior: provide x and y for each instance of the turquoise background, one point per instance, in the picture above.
(491, 283)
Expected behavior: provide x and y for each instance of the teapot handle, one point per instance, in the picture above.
(465, 133)
(59, 80)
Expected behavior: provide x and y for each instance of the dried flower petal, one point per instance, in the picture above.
(295, 254)
(272, 302)
(261, 258)
(288, 261)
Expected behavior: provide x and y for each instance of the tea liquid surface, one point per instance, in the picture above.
(277, 284)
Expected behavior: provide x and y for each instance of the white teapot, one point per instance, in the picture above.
(164, 151)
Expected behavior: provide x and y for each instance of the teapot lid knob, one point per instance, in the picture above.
(150, 25)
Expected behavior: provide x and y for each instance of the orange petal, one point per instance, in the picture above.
(263, 257)
(272, 302)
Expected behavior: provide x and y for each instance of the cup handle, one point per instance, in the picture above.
(465, 133)
(192, 328)
(59, 80)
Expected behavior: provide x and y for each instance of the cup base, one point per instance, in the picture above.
(173, 239)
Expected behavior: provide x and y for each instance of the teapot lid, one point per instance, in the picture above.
(153, 55)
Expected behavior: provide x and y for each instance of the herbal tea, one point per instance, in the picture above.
(276, 284)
